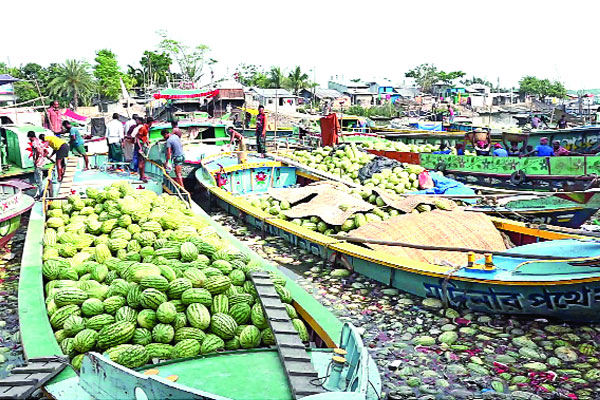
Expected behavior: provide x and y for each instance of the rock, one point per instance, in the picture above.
(432, 303)
(461, 394)
(565, 354)
(525, 395)
(451, 313)
(413, 381)
(505, 359)
(448, 327)
(554, 362)
(340, 273)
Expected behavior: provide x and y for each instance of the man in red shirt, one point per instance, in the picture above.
(142, 145)
(54, 118)
(561, 151)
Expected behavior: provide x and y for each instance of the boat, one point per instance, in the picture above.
(532, 278)
(13, 204)
(294, 370)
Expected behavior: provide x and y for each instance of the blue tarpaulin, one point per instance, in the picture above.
(430, 126)
(445, 185)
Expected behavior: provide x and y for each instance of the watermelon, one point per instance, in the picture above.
(97, 322)
(126, 313)
(240, 313)
(114, 334)
(61, 314)
(152, 298)
(189, 252)
(250, 337)
(163, 333)
(217, 284)
(211, 344)
(258, 317)
(232, 344)
(166, 312)
(159, 350)
(77, 361)
(301, 329)
(147, 318)
(187, 332)
(267, 337)
(113, 303)
(220, 304)
(66, 296)
(198, 316)
(291, 311)
(85, 340)
(186, 348)
(142, 336)
(177, 287)
(180, 320)
(134, 357)
(195, 276)
(155, 281)
(223, 325)
(73, 325)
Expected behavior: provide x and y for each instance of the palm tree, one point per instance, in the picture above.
(298, 80)
(276, 77)
(73, 79)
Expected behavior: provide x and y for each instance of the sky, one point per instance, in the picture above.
(351, 39)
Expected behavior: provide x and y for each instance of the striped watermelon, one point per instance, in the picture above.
(187, 332)
(250, 337)
(284, 294)
(197, 295)
(85, 340)
(217, 284)
(126, 313)
(167, 252)
(166, 312)
(134, 296)
(223, 325)
(73, 325)
(223, 266)
(67, 347)
(241, 298)
(189, 252)
(160, 350)
(97, 322)
(180, 320)
(232, 344)
(146, 238)
(59, 317)
(152, 298)
(291, 311)
(237, 277)
(142, 336)
(195, 276)
(66, 296)
(179, 306)
(240, 312)
(267, 337)
(211, 344)
(198, 316)
(114, 334)
(113, 303)
(147, 318)
(186, 348)
(301, 328)
(155, 281)
(258, 317)
(177, 287)
(163, 333)
(167, 272)
(92, 307)
(102, 253)
(151, 226)
(134, 357)
(220, 304)
(120, 233)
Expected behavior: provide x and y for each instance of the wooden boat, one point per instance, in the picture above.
(515, 284)
(293, 371)
(13, 204)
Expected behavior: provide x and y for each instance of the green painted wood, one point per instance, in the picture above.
(36, 333)
(567, 165)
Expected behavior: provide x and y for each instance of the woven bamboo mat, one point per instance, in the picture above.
(442, 228)
(408, 203)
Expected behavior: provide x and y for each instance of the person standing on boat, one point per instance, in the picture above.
(128, 145)
(114, 139)
(39, 152)
(499, 151)
(61, 149)
(535, 122)
(261, 131)
(451, 112)
(541, 150)
(175, 153)
(175, 129)
(142, 145)
(561, 151)
(562, 123)
(237, 139)
(54, 118)
(77, 143)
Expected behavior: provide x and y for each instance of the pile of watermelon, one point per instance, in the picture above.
(141, 278)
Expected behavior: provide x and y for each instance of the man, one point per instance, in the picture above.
(559, 150)
(499, 151)
(130, 123)
(237, 139)
(61, 149)
(451, 114)
(562, 123)
(39, 152)
(54, 118)
(535, 122)
(142, 144)
(261, 131)
(77, 143)
(542, 150)
(175, 129)
(114, 137)
(128, 145)
(174, 152)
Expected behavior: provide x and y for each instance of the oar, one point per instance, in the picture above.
(455, 249)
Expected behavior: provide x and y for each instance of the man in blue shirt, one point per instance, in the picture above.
(499, 151)
(174, 152)
(542, 150)
(76, 142)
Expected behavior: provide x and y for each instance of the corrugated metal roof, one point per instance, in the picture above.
(327, 93)
(272, 92)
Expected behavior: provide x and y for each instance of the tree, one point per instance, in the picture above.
(541, 88)
(474, 80)
(156, 66)
(276, 77)
(108, 75)
(427, 75)
(298, 80)
(74, 80)
(252, 75)
(191, 60)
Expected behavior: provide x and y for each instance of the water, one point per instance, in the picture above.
(502, 119)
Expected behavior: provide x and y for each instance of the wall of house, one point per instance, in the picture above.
(363, 100)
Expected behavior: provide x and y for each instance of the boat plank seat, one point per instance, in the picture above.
(24, 381)
(292, 352)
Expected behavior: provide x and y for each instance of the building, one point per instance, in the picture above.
(272, 99)
(7, 90)
(324, 96)
(360, 93)
(229, 100)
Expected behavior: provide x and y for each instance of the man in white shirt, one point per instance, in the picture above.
(114, 137)
(130, 126)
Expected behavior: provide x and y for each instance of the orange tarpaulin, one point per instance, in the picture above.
(330, 126)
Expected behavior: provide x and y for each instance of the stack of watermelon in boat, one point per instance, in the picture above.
(140, 277)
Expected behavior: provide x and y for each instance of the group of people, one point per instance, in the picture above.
(484, 148)
(538, 121)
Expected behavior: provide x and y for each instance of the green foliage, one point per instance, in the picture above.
(107, 73)
(427, 75)
(73, 80)
(252, 75)
(155, 68)
(387, 110)
(541, 87)
(191, 60)
(276, 77)
(298, 80)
